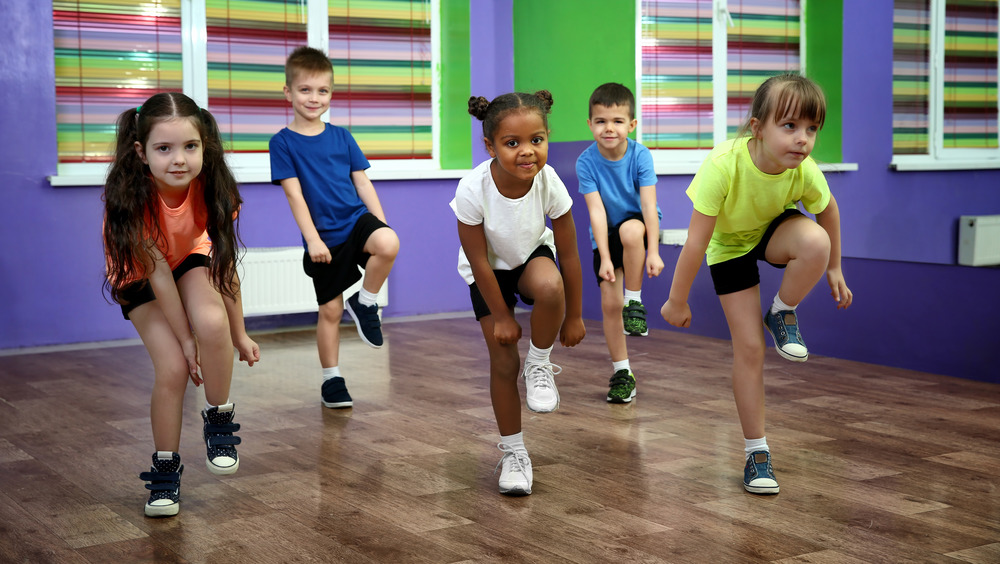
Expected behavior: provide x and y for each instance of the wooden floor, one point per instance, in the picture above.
(875, 464)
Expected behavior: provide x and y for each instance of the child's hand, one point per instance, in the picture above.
(838, 288)
(319, 252)
(572, 331)
(506, 331)
(249, 350)
(190, 349)
(654, 264)
(678, 315)
(607, 271)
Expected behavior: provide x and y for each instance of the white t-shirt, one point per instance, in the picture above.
(514, 228)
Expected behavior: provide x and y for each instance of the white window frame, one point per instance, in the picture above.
(256, 167)
(939, 157)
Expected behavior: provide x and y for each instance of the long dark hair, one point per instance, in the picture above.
(131, 204)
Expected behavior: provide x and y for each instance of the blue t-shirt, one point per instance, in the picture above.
(617, 182)
(323, 164)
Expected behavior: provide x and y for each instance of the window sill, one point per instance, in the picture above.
(906, 164)
(690, 168)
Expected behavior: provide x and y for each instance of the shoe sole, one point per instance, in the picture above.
(761, 491)
(516, 492)
(354, 316)
(222, 470)
(533, 410)
(162, 510)
(338, 404)
(627, 334)
(622, 400)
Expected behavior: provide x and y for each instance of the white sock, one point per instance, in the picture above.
(515, 441)
(165, 454)
(779, 305)
(332, 372)
(210, 406)
(537, 355)
(621, 365)
(630, 295)
(753, 445)
(366, 298)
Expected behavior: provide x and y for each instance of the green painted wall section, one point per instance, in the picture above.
(824, 23)
(456, 132)
(570, 47)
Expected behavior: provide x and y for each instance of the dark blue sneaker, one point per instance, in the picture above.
(366, 320)
(758, 477)
(219, 439)
(784, 329)
(164, 485)
(335, 393)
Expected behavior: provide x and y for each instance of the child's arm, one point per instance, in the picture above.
(599, 225)
(162, 281)
(366, 191)
(676, 310)
(249, 351)
(829, 219)
(564, 229)
(318, 251)
(506, 330)
(647, 201)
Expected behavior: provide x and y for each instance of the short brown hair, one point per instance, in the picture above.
(612, 94)
(786, 94)
(308, 60)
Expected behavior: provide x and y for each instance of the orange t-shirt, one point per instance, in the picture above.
(183, 227)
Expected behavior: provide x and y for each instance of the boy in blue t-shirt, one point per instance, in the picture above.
(322, 170)
(619, 185)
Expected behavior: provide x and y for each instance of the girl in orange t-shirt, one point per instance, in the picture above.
(170, 235)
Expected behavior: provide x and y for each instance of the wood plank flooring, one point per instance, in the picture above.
(875, 464)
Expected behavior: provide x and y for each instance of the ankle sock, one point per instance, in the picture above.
(366, 298)
(515, 441)
(210, 406)
(630, 295)
(779, 305)
(332, 372)
(621, 365)
(752, 445)
(537, 355)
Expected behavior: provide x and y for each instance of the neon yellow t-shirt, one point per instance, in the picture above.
(745, 200)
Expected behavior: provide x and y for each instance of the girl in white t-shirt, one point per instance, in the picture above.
(508, 251)
(745, 199)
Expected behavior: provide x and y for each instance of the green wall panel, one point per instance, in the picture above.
(456, 151)
(824, 25)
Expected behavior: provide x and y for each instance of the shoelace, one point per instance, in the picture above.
(518, 461)
(536, 375)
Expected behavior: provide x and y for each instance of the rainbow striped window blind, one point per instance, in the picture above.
(109, 55)
(678, 75)
(381, 54)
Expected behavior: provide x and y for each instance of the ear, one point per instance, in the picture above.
(754, 127)
(632, 124)
(489, 147)
(140, 152)
(288, 92)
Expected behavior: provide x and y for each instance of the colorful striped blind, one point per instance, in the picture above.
(911, 39)
(247, 44)
(970, 74)
(381, 54)
(109, 55)
(677, 75)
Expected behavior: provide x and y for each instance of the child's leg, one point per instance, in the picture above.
(505, 364)
(542, 282)
(804, 247)
(633, 236)
(612, 303)
(743, 315)
(207, 313)
(383, 246)
(328, 332)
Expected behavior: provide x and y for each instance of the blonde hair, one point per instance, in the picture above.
(786, 95)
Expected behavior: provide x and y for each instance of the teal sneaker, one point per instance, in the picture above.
(622, 387)
(758, 476)
(784, 329)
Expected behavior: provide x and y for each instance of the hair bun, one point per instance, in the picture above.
(546, 97)
(478, 106)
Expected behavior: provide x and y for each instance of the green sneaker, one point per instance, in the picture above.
(634, 318)
(622, 387)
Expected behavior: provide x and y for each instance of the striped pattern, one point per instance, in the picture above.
(247, 43)
(381, 54)
(109, 55)
(970, 74)
(911, 23)
(677, 80)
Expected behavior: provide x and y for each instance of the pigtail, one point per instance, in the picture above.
(478, 106)
(222, 200)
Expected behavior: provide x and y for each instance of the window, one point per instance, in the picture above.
(944, 85)
(701, 61)
(229, 56)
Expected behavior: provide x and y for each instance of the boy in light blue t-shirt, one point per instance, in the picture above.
(619, 185)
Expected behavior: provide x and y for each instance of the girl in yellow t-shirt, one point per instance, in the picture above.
(745, 199)
(171, 240)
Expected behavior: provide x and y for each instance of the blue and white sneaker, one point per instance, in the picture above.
(784, 329)
(220, 442)
(758, 476)
(366, 320)
(164, 485)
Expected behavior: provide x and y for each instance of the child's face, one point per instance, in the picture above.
(520, 145)
(173, 152)
(783, 144)
(611, 126)
(310, 95)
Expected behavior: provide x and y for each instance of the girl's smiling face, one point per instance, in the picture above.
(174, 153)
(520, 147)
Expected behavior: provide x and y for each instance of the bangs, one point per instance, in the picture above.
(799, 99)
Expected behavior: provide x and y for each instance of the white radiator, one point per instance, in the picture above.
(979, 240)
(272, 283)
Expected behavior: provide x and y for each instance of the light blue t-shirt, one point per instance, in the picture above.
(617, 182)
(323, 164)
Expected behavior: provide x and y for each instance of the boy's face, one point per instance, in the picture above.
(310, 95)
(610, 126)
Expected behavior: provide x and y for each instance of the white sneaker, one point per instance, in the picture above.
(515, 475)
(541, 394)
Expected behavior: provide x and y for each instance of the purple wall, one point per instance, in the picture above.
(913, 307)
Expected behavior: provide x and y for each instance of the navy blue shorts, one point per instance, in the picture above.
(331, 279)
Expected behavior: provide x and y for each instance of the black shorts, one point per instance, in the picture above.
(615, 248)
(140, 292)
(741, 273)
(507, 280)
(331, 279)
